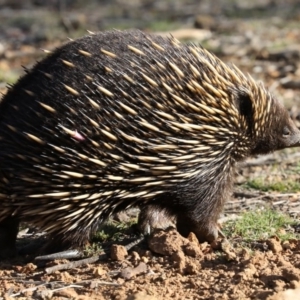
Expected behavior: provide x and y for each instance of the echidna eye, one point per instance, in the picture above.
(286, 131)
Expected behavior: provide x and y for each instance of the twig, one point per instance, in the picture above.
(89, 260)
(68, 254)
(75, 264)
(99, 282)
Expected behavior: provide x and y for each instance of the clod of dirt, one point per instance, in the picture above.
(135, 257)
(118, 252)
(286, 295)
(274, 245)
(43, 294)
(99, 271)
(286, 245)
(27, 269)
(170, 241)
(179, 260)
(229, 251)
(180, 250)
(141, 296)
(248, 273)
(166, 242)
(68, 293)
(291, 274)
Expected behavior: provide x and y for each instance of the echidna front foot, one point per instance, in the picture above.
(205, 231)
(8, 233)
(152, 217)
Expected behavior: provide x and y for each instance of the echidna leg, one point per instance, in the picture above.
(207, 231)
(9, 228)
(152, 217)
(200, 209)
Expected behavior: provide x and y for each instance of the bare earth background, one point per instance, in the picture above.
(261, 37)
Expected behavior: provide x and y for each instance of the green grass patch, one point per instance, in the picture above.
(279, 186)
(260, 225)
(109, 233)
(164, 25)
(9, 77)
(114, 231)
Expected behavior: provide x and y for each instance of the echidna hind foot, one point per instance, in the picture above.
(8, 234)
(53, 245)
(9, 228)
(152, 217)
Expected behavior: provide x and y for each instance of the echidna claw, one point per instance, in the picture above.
(68, 254)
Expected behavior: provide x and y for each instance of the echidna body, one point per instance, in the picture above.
(121, 119)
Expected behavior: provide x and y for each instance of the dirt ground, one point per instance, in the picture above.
(182, 270)
(261, 38)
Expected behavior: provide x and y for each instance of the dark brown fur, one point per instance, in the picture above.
(119, 119)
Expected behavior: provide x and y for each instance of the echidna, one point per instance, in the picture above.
(121, 119)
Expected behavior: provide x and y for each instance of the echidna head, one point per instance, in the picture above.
(290, 135)
(285, 132)
(278, 130)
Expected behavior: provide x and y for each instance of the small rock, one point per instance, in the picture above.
(99, 271)
(291, 274)
(141, 296)
(43, 294)
(68, 293)
(274, 245)
(286, 295)
(192, 238)
(193, 250)
(191, 268)
(228, 249)
(129, 272)
(29, 268)
(135, 256)
(144, 259)
(118, 252)
(179, 259)
(286, 245)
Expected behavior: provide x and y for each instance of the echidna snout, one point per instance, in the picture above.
(120, 119)
(282, 133)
